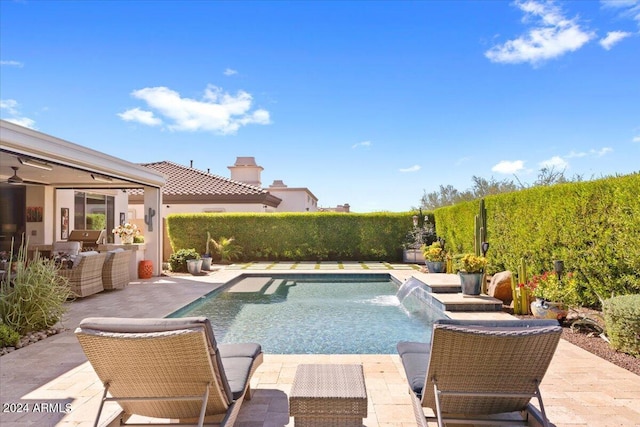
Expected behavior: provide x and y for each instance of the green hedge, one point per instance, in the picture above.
(622, 320)
(594, 227)
(297, 236)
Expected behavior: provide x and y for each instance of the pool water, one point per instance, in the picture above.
(310, 316)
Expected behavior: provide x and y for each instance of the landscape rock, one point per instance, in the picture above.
(500, 287)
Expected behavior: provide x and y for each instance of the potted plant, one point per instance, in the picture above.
(187, 260)
(206, 256)
(435, 257)
(471, 271)
(553, 296)
(417, 237)
(126, 232)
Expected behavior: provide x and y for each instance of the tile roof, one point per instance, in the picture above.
(193, 184)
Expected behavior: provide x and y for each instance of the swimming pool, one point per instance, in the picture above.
(315, 314)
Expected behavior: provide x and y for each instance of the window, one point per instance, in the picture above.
(94, 212)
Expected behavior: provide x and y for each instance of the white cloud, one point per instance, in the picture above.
(230, 72)
(556, 162)
(636, 138)
(12, 64)
(462, 160)
(627, 8)
(593, 152)
(140, 116)
(553, 35)
(414, 168)
(218, 111)
(365, 144)
(613, 38)
(508, 167)
(11, 107)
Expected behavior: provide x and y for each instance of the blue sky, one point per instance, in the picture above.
(366, 103)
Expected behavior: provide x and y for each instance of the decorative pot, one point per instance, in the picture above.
(194, 266)
(206, 262)
(471, 283)
(543, 309)
(436, 266)
(126, 239)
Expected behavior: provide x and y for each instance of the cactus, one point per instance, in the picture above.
(148, 219)
(520, 294)
(480, 228)
(207, 244)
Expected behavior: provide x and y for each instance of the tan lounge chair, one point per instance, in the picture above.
(85, 277)
(474, 370)
(169, 368)
(115, 271)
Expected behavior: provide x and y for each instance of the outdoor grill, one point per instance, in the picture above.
(90, 239)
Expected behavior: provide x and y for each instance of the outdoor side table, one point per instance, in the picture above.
(328, 395)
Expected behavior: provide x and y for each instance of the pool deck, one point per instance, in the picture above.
(580, 389)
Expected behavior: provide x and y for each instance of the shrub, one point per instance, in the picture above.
(622, 321)
(35, 299)
(225, 249)
(178, 260)
(547, 286)
(8, 337)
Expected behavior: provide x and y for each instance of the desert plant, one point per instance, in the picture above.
(470, 263)
(178, 259)
(622, 320)
(434, 252)
(34, 297)
(8, 337)
(225, 248)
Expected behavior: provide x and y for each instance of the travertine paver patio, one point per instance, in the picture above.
(580, 389)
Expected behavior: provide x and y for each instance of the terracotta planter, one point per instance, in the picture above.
(436, 266)
(471, 283)
(542, 309)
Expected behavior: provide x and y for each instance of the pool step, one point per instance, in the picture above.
(274, 286)
(444, 292)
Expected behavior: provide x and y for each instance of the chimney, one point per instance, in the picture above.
(246, 170)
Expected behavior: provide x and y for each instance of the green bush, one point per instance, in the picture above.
(8, 337)
(592, 226)
(35, 299)
(313, 236)
(622, 321)
(96, 221)
(178, 260)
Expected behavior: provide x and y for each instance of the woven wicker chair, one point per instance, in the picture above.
(474, 370)
(115, 271)
(85, 277)
(169, 368)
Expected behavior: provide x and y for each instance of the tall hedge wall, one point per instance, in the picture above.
(297, 236)
(594, 227)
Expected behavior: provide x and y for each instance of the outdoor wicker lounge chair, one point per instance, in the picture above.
(85, 277)
(169, 368)
(474, 370)
(115, 271)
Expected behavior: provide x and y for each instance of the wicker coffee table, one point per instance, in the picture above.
(328, 395)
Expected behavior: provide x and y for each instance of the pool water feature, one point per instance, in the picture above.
(314, 315)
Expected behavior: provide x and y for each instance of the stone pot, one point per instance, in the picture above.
(194, 266)
(436, 266)
(543, 309)
(471, 283)
(206, 262)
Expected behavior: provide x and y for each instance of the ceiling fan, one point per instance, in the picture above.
(16, 180)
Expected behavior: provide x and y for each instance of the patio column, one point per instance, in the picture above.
(153, 227)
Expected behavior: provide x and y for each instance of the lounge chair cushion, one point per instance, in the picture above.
(415, 359)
